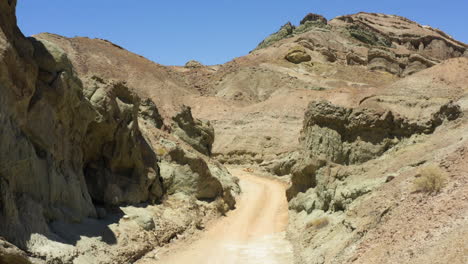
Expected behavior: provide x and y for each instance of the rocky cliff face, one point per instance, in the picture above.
(352, 157)
(41, 150)
(71, 145)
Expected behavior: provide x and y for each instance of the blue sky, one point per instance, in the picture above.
(212, 31)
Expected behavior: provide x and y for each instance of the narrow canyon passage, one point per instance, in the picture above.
(253, 233)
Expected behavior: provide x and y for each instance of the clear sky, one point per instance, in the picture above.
(171, 32)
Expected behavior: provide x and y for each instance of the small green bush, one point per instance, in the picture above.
(431, 179)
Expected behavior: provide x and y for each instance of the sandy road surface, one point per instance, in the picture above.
(252, 233)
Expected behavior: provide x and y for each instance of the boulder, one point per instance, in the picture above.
(197, 133)
(297, 55)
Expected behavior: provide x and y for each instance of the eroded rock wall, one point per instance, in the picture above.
(71, 145)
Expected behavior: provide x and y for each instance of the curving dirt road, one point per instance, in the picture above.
(252, 233)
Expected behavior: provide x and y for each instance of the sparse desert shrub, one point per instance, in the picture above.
(431, 179)
(318, 223)
(161, 151)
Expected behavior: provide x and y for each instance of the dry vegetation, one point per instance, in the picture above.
(431, 179)
(318, 223)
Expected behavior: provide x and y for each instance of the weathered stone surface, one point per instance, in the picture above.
(379, 59)
(284, 32)
(185, 172)
(303, 176)
(329, 55)
(114, 166)
(197, 133)
(354, 59)
(282, 166)
(314, 18)
(417, 63)
(193, 64)
(43, 122)
(297, 55)
(150, 113)
(347, 136)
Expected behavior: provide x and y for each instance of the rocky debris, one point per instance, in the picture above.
(297, 55)
(197, 133)
(314, 18)
(193, 64)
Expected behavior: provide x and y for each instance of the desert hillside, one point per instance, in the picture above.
(341, 141)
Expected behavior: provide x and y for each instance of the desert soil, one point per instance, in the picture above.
(252, 233)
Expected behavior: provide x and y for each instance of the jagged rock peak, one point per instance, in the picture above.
(314, 18)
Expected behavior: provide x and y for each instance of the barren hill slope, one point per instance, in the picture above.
(258, 99)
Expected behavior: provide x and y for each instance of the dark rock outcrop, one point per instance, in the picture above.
(197, 133)
(116, 170)
(348, 136)
(284, 32)
(314, 18)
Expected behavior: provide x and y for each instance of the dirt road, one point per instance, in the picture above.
(252, 233)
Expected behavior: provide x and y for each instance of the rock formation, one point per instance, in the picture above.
(297, 55)
(106, 155)
(72, 144)
(198, 134)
